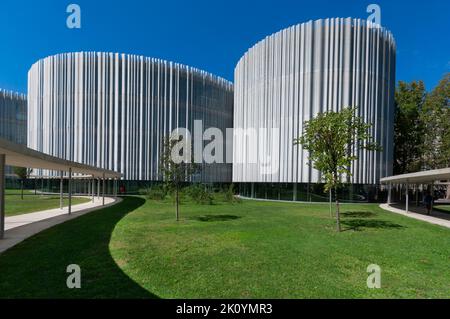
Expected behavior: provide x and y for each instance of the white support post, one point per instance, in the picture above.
(93, 190)
(70, 191)
(417, 195)
(432, 196)
(389, 200)
(2, 195)
(61, 185)
(407, 197)
(98, 189)
(103, 192)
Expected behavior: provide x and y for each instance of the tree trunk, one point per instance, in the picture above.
(177, 203)
(21, 189)
(331, 204)
(338, 217)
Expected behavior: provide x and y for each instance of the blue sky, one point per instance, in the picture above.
(209, 34)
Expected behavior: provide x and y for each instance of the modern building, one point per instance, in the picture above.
(291, 76)
(13, 119)
(112, 110)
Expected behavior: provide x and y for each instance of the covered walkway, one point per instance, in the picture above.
(19, 155)
(419, 181)
(419, 213)
(21, 227)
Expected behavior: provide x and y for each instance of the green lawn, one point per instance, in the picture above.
(246, 250)
(14, 205)
(442, 208)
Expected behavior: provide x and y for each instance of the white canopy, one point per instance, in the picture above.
(419, 177)
(22, 156)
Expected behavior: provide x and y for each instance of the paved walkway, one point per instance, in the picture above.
(21, 227)
(419, 213)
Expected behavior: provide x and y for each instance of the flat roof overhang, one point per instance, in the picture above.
(22, 156)
(419, 177)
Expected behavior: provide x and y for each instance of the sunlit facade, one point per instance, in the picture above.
(294, 74)
(113, 110)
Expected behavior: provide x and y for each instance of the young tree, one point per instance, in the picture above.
(332, 140)
(408, 129)
(176, 168)
(23, 174)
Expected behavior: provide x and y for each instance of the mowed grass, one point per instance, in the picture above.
(14, 205)
(442, 208)
(247, 250)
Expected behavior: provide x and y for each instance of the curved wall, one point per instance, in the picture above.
(292, 75)
(112, 110)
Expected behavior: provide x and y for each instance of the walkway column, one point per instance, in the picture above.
(103, 193)
(61, 185)
(93, 190)
(407, 197)
(2, 195)
(70, 190)
(432, 195)
(389, 201)
(417, 195)
(98, 189)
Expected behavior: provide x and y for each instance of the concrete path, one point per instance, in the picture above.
(21, 227)
(416, 212)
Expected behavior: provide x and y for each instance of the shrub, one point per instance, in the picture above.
(229, 195)
(200, 194)
(156, 193)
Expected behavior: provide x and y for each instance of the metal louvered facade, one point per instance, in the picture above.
(112, 110)
(13, 117)
(292, 75)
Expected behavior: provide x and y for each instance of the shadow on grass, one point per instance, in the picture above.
(216, 218)
(442, 210)
(359, 224)
(358, 214)
(36, 268)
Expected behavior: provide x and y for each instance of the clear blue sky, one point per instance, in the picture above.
(209, 34)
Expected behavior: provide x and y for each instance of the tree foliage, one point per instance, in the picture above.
(435, 118)
(333, 139)
(422, 127)
(174, 172)
(23, 174)
(408, 128)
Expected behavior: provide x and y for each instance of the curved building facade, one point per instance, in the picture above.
(113, 110)
(291, 76)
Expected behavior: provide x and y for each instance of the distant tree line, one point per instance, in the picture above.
(422, 126)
